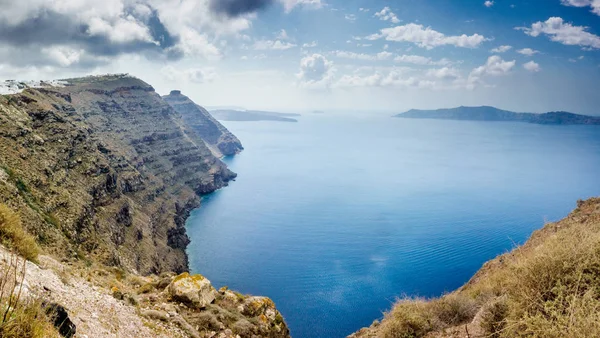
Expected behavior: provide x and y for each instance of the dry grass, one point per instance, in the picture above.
(20, 317)
(15, 237)
(418, 317)
(550, 287)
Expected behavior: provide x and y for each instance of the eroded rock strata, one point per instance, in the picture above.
(216, 136)
(105, 168)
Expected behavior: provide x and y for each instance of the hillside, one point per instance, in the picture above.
(252, 115)
(102, 173)
(486, 113)
(216, 136)
(549, 287)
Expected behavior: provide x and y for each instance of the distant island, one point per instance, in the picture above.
(252, 115)
(486, 113)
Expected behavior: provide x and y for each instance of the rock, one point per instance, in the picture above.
(193, 290)
(61, 319)
(155, 314)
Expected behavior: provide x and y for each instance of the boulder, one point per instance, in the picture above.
(194, 290)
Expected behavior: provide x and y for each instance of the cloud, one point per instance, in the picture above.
(165, 29)
(420, 60)
(90, 33)
(494, 66)
(532, 66)
(235, 8)
(289, 5)
(283, 35)
(393, 77)
(273, 45)
(194, 75)
(527, 51)
(444, 73)
(386, 14)
(360, 56)
(501, 49)
(594, 4)
(567, 34)
(488, 3)
(310, 44)
(350, 17)
(425, 37)
(315, 71)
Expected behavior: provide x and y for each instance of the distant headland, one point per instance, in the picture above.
(486, 113)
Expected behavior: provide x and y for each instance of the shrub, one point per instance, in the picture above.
(19, 317)
(418, 317)
(15, 237)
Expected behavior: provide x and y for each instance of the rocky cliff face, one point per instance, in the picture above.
(216, 136)
(103, 169)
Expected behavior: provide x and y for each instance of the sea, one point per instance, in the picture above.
(337, 216)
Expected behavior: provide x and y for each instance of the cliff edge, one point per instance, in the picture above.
(102, 173)
(217, 137)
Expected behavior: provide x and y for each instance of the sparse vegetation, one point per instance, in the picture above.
(417, 317)
(20, 317)
(14, 236)
(550, 287)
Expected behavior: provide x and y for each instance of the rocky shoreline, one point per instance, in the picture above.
(104, 173)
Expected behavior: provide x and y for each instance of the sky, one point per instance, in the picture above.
(333, 55)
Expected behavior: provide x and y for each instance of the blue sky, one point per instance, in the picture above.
(373, 56)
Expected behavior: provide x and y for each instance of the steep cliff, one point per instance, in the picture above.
(216, 136)
(104, 169)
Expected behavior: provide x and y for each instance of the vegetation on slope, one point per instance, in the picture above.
(549, 287)
(15, 237)
(19, 316)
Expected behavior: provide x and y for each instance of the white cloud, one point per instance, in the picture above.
(386, 14)
(501, 49)
(273, 45)
(527, 51)
(420, 60)
(362, 9)
(488, 3)
(494, 66)
(194, 75)
(282, 35)
(594, 4)
(425, 37)
(361, 56)
(532, 66)
(315, 71)
(394, 77)
(310, 44)
(63, 56)
(289, 5)
(444, 73)
(350, 17)
(567, 34)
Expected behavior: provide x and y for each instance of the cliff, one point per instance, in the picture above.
(102, 173)
(546, 288)
(104, 167)
(486, 113)
(214, 134)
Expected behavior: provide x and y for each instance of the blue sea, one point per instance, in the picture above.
(335, 216)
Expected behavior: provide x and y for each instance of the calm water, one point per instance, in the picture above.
(335, 217)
